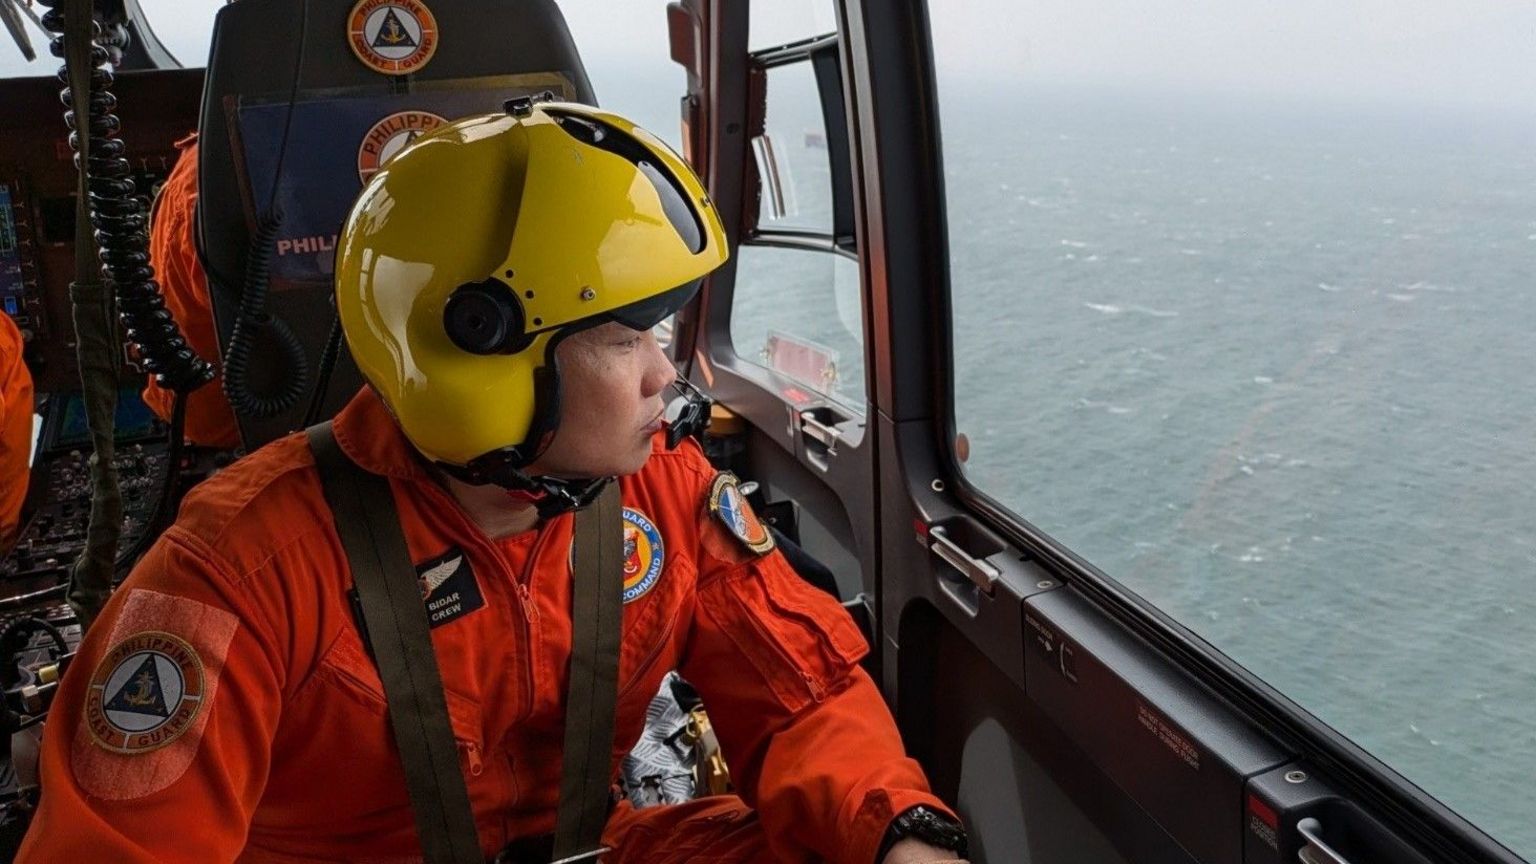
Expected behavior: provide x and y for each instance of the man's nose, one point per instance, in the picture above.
(661, 373)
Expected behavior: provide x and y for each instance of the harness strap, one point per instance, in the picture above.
(597, 616)
(395, 621)
(395, 628)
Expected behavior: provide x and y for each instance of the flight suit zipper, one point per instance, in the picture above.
(492, 550)
(471, 750)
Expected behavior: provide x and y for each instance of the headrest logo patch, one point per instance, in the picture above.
(389, 136)
(394, 37)
(733, 511)
(145, 693)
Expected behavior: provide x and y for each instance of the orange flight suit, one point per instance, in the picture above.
(16, 409)
(173, 253)
(224, 708)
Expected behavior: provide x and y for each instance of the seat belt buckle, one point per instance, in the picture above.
(584, 856)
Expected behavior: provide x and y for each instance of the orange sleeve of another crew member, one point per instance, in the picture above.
(809, 739)
(16, 409)
(173, 253)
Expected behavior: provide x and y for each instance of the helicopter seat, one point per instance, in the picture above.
(303, 101)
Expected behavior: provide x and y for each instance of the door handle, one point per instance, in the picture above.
(1316, 851)
(820, 432)
(981, 574)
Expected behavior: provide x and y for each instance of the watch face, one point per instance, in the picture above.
(933, 828)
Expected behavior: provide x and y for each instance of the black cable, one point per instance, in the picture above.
(328, 360)
(119, 217)
(253, 320)
(151, 528)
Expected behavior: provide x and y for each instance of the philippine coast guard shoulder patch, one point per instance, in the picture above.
(732, 509)
(146, 692)
(149, 697)
(644, 555)
(395, 37)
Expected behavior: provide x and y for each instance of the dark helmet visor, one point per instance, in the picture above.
(647, 313)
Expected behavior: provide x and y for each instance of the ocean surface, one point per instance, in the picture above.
(1270, 365)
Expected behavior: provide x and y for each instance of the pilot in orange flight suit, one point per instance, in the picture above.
(224, 707)
(173, 253)
(16, 409)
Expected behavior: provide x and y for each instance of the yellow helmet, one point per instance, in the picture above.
(471, 255)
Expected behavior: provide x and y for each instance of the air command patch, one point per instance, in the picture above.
(732, 509)
(644, 555)
(395, 37)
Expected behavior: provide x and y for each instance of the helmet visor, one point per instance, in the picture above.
(647, 313)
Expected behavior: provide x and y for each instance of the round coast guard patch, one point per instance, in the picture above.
(643, 555)
(391, 135)
(395, 37)
(732, 509)
(145, 693)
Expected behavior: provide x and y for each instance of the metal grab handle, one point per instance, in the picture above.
(1316, 851)
(585, 856)
(813, 428)
(981, 574)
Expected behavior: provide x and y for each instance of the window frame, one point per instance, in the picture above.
(914, 388)
(824, 53)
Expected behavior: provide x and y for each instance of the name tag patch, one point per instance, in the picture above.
(448, 588)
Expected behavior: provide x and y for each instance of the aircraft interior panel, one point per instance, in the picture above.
(1065, 720)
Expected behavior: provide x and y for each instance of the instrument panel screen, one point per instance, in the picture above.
(10, 257)
(133, 420)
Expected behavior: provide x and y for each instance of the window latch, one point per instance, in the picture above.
(1316, 851)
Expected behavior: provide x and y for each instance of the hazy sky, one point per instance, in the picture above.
(1481, 52)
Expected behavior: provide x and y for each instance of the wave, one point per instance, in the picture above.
(1113, 309)
(1107, 406)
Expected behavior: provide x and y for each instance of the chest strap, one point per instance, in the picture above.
(597, 603)
(396, 628)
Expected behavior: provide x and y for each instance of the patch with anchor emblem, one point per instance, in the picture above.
(146, 692)
(395, 37)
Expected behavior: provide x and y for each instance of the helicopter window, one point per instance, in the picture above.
(791, 154)
(796, 311)
(795, 307)
(784, 21)
(185, 29)
(1242, 315)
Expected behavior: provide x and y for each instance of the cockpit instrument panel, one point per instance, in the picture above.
(37, 198)
(19, 296)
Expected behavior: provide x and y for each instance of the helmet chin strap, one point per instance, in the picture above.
(556, 495)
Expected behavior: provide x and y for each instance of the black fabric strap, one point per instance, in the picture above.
(396, 622)
(597, 610)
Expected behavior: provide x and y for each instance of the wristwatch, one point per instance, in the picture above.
(927, 825)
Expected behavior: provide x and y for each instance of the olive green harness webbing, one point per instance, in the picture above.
(395, 621)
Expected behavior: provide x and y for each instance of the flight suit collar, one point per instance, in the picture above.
(369, 435)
